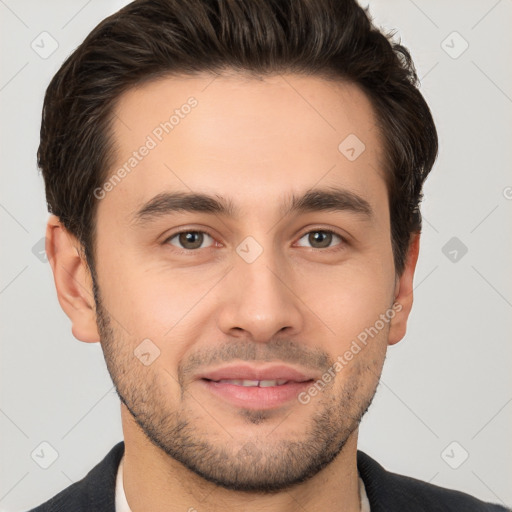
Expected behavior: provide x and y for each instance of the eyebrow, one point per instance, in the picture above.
(314, 200)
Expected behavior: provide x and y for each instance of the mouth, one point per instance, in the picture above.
(253, 383)
(251, 387)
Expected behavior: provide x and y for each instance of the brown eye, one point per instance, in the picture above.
(189, 240)
(321, 238)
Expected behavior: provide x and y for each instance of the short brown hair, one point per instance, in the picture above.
(147, 39)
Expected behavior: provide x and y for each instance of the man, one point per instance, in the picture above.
(235, 190)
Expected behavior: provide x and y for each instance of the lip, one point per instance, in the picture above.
(255, 397)
(249, 372)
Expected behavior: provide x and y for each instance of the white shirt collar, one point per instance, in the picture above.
(122, 504)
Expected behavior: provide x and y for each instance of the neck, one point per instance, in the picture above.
(154, 481)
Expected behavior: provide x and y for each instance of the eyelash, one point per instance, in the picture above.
(340, 246)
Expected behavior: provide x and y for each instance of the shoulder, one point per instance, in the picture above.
(94, 492)
(390, 491)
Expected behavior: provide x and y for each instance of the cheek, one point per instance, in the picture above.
(348, 298)
(169, 301)
(169, 308)
(146, 301)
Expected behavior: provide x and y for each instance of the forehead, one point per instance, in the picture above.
(244, 138)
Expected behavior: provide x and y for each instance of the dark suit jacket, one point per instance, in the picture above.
(387, 492)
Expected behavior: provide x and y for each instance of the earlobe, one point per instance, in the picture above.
(72, 281)
(404, 293)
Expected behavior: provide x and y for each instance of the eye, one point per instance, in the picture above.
(192, 240)
(189, 240)
(321, 238)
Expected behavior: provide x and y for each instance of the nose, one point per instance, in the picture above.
(258, 300)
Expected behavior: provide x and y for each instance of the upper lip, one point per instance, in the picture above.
(248, 372)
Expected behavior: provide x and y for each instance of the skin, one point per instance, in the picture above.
(255, 142)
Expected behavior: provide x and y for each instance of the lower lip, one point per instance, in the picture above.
(255, 397)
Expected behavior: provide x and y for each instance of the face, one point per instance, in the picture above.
(246, 331)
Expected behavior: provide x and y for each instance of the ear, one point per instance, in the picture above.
(72, 281)
(404, 293)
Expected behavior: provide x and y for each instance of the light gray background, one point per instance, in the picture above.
(448, 381)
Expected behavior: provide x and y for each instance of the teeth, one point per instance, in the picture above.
(250, 383)
(255, 383)
(268, 383)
